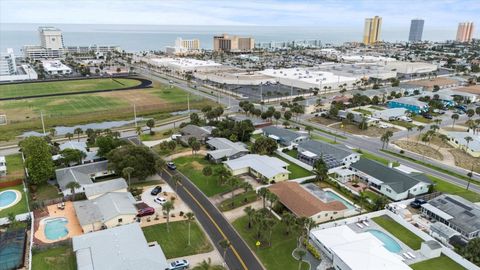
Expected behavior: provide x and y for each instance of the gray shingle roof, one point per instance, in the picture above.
(397, 180)
(225, 148)
(284, 134)
(105, 186)
(322, 148)
(120, 248)
(105, 207)
(196, 131)
(80, 174)
(466, 215)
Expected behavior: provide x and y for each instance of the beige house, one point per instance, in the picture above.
(268, 169)
(98, 189)
(304, 204)
(106, 211)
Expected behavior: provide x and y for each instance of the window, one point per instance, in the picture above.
(120, 220)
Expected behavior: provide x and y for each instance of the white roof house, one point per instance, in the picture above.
(457, 139)
(268, 167)
(390, 114)
(97, 189)
(224, 148)
(120, 248)
(358, 251)
(81, 146)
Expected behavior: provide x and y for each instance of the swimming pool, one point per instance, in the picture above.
(55, 228)
(388, 242)
(7, 198)
(334, 196)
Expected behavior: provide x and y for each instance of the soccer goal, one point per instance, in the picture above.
(3, 119)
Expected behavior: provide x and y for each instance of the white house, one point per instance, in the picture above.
(458, 140)
(334, 156)
(283, 136)
(262, 167)
(82, 174)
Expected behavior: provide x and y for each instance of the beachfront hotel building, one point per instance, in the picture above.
(372, 30)
(229, 43)
(465, 31)
(416, 30)
(183, 47)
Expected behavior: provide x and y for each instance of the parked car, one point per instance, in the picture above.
(171, 166)
(460, 112)
(427, 116)
(175, 136)
(156, 190)
(177, 265)
(146, 212)
(417, 203)
(160, 200)
(439, 111)
(461, 108)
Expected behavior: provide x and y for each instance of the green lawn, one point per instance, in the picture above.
(238, 200)
(296, 171)
(42, 88)
(403, 124)
(320, 138)
(46, 192)
(20, 207)
(293, 153)
(377, 108)
(14, 167)
(440, 263)
(191, 167)
(58, 258)
(421, 119)
(447, 187)
(371, 195)
(363, 111)
(277, 256)
(400, 232)
(174, 243)
(371, 156)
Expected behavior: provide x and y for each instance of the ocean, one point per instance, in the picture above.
(135, 38)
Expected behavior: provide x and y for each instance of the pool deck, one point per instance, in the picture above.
(73, 225)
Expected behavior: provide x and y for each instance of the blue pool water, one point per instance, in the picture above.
(56, 228)
(7, 197)
(388, 241)
(335, 197)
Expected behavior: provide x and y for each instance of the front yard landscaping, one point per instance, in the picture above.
(192, 166)
(238, 200)
(403, 124)
(18, 208)
(371, 131)
(371, 156)
(446, 187)
(57, 258)
(14, 167)
(363, 111)
(400, 232)
(279, 254)
(440, 263)
(421, 119)
(174, 243)
(45, 192)
(296, 171)
(420, 149)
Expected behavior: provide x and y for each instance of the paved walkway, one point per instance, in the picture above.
(236, 213)
(194, 260)
(186, 153)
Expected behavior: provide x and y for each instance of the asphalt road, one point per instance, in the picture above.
(238, 256)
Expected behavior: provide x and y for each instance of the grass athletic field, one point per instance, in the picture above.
(158, 102)
(43, 88)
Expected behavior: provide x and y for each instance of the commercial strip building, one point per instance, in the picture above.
(416, 30)
(465, 31)
(410, 103)
(184, 64)
(304, 204)
(122, 247)
(372, 30)
(184, 47)
(349, 250)
(457, 213)
(268, 169)
(55, 67)
(393, 183)
(229, 43)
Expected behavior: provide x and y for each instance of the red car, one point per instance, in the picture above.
(146, 212)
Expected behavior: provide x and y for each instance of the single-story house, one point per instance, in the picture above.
(95, 190)
(457, 213)
(358, 117)
(347, 249)
(257, 122)
(106, 211)
(334, 156)
(199, 133)
(91, 154)
(393, 183)
(390, 114)
(284, 136)
(266, 168)
(304, 204)
(410, 103)
(82, 174)
(123, 247)
(221, 148)
(3, 166)
(457, 140)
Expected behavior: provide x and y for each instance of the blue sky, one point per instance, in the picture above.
(330, 13)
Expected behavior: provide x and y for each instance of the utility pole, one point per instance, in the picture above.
(188, 102)
(135, 114)
(43, 123)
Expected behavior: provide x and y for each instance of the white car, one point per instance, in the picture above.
(177, 265)
(160, 200)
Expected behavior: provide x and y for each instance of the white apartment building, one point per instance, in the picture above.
(7, 63)
(9, 71)
(183, 46)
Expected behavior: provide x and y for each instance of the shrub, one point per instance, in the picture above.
(402, 152)
(312, 250)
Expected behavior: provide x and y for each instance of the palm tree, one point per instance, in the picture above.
(250, 212)
(176, 179)
(160, 164)
(468, 139)
(69, 136)
(301, 254)
(309, 129)
(263, 192)
(455, 117)
(223, 174)
(320, 170)
(127, 171)
(78, 132)
(207, 171)
(443, 138)
(190, 217)
(138, 130)
(289, 220)
(53, 132)
(207, 265)
(167, 207)
(272, 198)
(224, 244)
(73, 186)
(409, 128)
(233, 183)
(386, 138)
